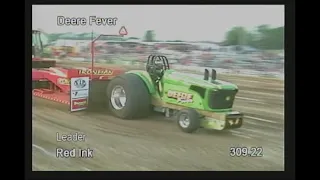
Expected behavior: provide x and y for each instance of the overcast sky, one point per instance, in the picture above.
(178, 22)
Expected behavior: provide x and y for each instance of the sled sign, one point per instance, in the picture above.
(79, 93)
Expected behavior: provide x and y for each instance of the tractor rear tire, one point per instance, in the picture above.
(138, 100)
(188, 120)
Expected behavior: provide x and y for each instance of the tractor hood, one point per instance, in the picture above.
(198, 80)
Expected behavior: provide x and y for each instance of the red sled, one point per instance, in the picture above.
(77, 87)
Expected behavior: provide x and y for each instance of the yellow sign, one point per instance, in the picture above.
(63, 81)
(101, 72)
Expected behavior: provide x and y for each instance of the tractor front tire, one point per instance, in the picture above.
(137, 98)
(188, 120)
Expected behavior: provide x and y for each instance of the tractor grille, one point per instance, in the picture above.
(222, 99)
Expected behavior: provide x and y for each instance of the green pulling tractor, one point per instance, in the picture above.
(197, 101)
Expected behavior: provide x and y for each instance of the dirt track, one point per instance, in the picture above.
(157, 144)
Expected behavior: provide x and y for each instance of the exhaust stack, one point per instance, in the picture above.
(213, 74)
(206, 74)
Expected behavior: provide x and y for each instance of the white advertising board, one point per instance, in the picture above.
(79, 93)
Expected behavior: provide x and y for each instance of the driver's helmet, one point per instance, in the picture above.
(158, 64)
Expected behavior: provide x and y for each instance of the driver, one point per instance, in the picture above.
(159, 67)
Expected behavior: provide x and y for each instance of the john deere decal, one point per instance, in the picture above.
(180, 96)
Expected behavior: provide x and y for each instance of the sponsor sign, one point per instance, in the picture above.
(99, 72)
(79, 93)
(79, 83)
(180, 96)
(63, 81)
(79, 104)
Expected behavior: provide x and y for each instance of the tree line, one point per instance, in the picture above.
(263, 37)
